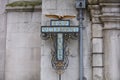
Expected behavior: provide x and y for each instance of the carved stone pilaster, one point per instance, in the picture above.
(97, 42)
(111, 20)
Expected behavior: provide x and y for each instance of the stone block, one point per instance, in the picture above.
(97, 60)
(2, 60)
(97, 73)
(95, 12)
(97, 30)
(71, 74)
(95, 20)
(112, 54)
(46, 61)
(87, 62)
(23, 40)
(49, 4)
(48, 73)
(2, 42)
(22, 64)
(36, 17)
(30, 27)
(18, 59)
(2, 23)
(73, 62)
(97, 45)
(19, 17)
(65, 4)
(47, 46)
(24, 17)
(2, 75)
(22, 75)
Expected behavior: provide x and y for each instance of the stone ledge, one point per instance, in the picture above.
(24, 9)
(102, 1)
(109, 4)
(109, 18)
(111, 29)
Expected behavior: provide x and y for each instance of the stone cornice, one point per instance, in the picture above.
(95, 2)
(106, 12)
(109, 18)
(24, 9)
(109, 4)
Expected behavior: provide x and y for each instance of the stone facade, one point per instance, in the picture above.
(25, 56)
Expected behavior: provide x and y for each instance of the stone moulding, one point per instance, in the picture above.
(93, 2)
(24, 6)
(24, 3)
(109, 18)
(24, 9)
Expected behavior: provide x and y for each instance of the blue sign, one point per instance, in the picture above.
(59, 29)
(60, 23)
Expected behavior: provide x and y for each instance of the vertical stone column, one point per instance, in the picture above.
(23, 43)
(2, 37)
(111, 19)
(97, 43)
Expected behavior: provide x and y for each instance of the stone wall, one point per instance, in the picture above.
(23, 43)
(24, 56)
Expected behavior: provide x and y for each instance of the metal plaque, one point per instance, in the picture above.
(59, 29)
(60, 23)
(60, 49)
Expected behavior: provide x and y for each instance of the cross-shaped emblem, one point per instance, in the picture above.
(60, 28)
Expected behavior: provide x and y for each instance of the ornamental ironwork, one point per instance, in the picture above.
(60, 32)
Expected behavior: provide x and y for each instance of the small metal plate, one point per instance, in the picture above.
(60, 23)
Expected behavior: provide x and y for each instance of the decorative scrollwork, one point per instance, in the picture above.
(60, 66)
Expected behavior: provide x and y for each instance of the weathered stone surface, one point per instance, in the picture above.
(2, 75)
(112, 53)
(2, 42)
(49, 4)
(23, 46)
(2, 61)
(87, 62)
(96, 20)
(98, 74)
(23, 40)
(30, 27)
(23, 62)
(97, 45)
(22, 17)
(97, 60)
(87, 73)
(97, 30)
(2, 37)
